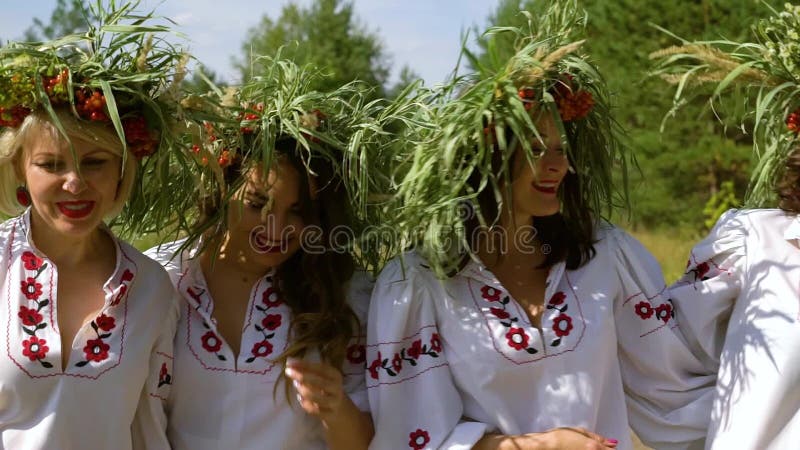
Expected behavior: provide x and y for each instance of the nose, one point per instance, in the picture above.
(278, 226)
(73, 183)
(554, 161)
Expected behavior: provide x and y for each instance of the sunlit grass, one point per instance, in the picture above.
(670, 248)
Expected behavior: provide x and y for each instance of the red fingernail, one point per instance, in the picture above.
(613, 441)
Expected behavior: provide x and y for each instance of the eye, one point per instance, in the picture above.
(537, 151)
(253, 203)
(254, 200)
(50, 165)
(94, 163)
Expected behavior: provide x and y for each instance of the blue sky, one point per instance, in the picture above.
(424, 34)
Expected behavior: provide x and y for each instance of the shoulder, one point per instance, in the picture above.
(6, 228)
(168, 255)
(408, 267)
(146, 268)
(614, 240)
(406, 279)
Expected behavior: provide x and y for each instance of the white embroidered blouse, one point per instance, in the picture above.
(110, 395)
(221, 400)
(739, 305)
(449, 361)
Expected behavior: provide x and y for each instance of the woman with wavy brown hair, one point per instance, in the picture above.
(269, 351)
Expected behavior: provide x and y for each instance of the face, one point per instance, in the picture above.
(535, 184)
(65, 202)
(265, 217)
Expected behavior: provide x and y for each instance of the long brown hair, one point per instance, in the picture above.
(313, 284)
(569, 235)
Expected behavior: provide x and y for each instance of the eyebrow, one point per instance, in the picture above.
(256, 194)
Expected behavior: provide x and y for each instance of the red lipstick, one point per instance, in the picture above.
(76, 209)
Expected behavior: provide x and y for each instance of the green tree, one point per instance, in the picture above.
(67, 18)
(328, 35)
(685, 166)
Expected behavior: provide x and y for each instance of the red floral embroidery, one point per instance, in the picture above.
(357, 354)
(562, 325)
(418, 439)
(557, 299)
(271, 321)
(374, 366)
(96, 350)
(415, 350)
(270, 298)
(664, 312)
(127, 277)
(211, 343)
(31, 288)
(35, 349)
(105, 322)
(411, 355)
(644, 310)
(702, 269)
(397, 363)
(517, 338)
(500, 313)
(436, 343)
(30, 317)
(490, 294)
(163, 375)
(261, 349)
(31, 261)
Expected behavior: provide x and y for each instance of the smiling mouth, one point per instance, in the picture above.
(263, 245)
(546, 189)
(75, 209)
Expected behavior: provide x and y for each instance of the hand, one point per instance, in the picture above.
(565, 438)
(318, 385)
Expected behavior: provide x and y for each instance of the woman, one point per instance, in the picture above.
(550, 328)
(269, 350)
(738, 300)
(88, 320)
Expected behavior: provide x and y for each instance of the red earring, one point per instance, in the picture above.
(23, 196)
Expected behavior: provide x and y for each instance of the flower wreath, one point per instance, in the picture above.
(123, 72)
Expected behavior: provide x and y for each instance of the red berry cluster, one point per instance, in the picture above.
(140, 142)
(248, 119)
(224, 159)
(56, 87)
(528, 97)
(210, 130)
(572, 104)
(793, 121)
(13, 117)
(91, 105)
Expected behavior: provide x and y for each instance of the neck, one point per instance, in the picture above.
(224, 259)
(512, 242)
(69, 251)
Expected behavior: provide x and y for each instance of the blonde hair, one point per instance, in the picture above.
(14, 142)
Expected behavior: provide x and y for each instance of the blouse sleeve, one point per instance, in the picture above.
(354, 366)
(412, 395)
(705, 294)
(668, 404)
(149, 428)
